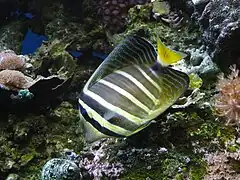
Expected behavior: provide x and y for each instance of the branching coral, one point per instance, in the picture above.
(227, 101)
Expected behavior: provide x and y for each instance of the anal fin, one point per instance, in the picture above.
(91, 134)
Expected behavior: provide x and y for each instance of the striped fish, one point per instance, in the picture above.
(130, 88)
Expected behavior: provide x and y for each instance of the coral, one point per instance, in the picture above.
(177, 13)
(13, 177)
(61, 169)
(15, 80)
(140, 23)
(9, 60)
(220, 23)
(114, 12)
(92, 164)
(55, 54)
(28, 142)
(96, 163)
(200, 63)
(11, 36)
(22, 94)
(227, 101)
(174, 19)
(195, 81)
(223, 162)
(87, 35)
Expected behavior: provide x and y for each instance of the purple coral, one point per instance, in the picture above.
(227, 101)
(114, 12)
(98, 166)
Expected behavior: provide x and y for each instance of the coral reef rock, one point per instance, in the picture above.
(61, 169)
(220, 21)
(20, 93)
(97, 164)
(114, 12)
(11, 36)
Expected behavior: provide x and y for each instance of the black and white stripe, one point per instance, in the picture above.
(134, 95)
(133, 50)
(129, 89)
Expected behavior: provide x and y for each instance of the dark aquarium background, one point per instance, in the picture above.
(49, 50)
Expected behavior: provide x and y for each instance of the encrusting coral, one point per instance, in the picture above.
(227, 101)
(18, 87)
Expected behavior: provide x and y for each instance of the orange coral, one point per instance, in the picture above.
(9, 60)
(15, 80)
(227, 101)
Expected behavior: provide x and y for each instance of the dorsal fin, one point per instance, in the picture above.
(133, 50)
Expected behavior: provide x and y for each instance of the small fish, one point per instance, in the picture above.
(130, 89)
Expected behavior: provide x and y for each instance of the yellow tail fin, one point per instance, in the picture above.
(168, 56)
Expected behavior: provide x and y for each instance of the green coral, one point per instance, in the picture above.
(195, 81)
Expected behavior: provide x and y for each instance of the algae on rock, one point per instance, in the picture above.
(26, 142)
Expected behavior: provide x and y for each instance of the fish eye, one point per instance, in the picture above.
(68, 153)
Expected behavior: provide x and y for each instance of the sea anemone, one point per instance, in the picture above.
(227, 101)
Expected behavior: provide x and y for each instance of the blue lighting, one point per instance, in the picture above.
(75, 54)
(29, 15)
(31, 42)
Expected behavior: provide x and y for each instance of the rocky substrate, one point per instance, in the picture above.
(42, 137)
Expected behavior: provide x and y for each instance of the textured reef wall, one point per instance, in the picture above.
(40, 133)
(220, 23)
